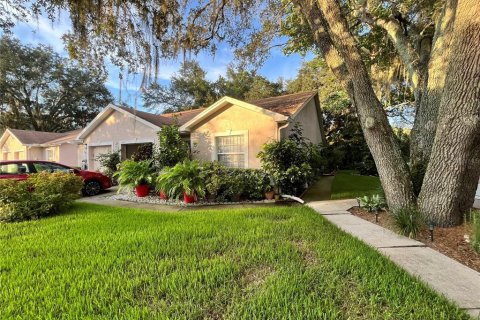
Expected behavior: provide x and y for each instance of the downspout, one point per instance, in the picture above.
(280, 128)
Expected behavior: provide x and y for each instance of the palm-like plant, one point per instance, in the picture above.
(133, 174)
(184, 177)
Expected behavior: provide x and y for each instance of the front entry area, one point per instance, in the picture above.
(93, 153)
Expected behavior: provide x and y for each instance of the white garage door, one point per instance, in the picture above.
(94, 153)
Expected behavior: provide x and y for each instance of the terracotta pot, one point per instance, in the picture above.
(269, 195)
(188, 198)
(163, 196)
(142, 190)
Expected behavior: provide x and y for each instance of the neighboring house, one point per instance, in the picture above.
(230, 131)
(37, 145)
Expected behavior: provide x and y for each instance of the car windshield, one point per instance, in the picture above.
(50, 167)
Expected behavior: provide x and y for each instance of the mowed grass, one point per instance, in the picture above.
(349, 184)
(101, 262)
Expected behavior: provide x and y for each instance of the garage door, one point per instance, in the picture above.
(94, 153)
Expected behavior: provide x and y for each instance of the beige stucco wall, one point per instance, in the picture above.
(11, 149)
(308, 118)
(36, 153)
(259, 128)
(68, 154)
(117, 129)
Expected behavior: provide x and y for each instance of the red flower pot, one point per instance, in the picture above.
(142, 190)
(163, 196)
(188, 198)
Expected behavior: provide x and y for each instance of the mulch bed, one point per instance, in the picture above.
(452, 242)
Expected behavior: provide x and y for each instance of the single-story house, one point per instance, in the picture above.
(230, 131)
(37, 145)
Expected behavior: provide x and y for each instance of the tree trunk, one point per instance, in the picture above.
(392, 169)
(453, 171)
(425, 125)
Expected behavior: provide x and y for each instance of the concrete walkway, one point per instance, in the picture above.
(447, 276)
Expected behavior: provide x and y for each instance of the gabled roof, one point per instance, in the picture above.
(32, 137)
(166, 118)
(288, 105)
(154, 121)
(67, 137)
(280, 108)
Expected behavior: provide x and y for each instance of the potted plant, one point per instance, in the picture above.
(184, 179)
(235, 184)
(137, 175)
(269, 193)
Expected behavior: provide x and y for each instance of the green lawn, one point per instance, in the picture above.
(262, 263)
(349, 184)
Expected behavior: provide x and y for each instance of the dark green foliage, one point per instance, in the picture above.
(172, 147)
(42, 91)
(227, 184)
(258, 263)
(346, 146)
(293, 162)
(109, 162)
(184, 177)
(188, 90)
(41, 195)
(132, 173)
(408, 221)
(144, 152)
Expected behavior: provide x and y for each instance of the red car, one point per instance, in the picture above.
(94, 182)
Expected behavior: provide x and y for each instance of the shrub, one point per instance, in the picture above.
(109, 162)
(144, 152)
(408, 221)
(293, 162)
(132, 173)
(184, 177)
(372, 203)
(172, 149)
(226, 184)
(40, 195)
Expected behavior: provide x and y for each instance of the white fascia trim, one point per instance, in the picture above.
(135, 141)
(5, 135)
(228, 100)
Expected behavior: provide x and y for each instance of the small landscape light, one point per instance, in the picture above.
(358, 202)
(376, 215)
(430, 228)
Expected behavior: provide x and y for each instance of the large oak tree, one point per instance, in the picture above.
(361, 41)
(39, 90)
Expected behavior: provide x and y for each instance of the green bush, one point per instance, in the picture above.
(408, 221)
(109, 162)
(231, 184)
(132, 174)
(144, 152)
(172, 148)
(293, 162)
(41, 195)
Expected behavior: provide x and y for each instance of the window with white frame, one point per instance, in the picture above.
(231, 150)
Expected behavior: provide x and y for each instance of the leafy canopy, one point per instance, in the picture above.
(42, 91)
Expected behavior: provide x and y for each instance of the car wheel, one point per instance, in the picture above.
(91, 188)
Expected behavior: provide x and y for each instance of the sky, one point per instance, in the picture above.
(43, 31)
